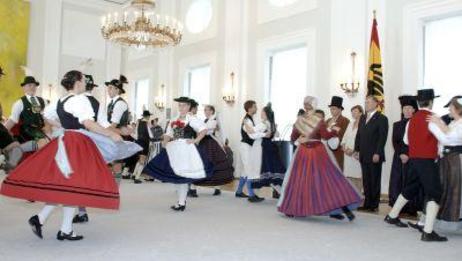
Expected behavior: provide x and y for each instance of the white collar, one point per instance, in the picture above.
(115, 98)
(370, 114)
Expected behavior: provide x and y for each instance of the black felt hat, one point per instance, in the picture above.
(408, 100)
(146, 113)
(89, 82)
(28, 80)
(426, 95)
(183, 99)
(336, 101)
(116, 83)
(194, 103)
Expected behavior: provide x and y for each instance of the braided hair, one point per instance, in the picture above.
(270, 115)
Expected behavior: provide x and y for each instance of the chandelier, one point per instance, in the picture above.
(139, 26)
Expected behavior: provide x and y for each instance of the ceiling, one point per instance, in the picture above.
(120, 2)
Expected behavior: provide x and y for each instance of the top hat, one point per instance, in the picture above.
(408, 100)
(183, 99)
(89, 82)
(29, 79)
(146, 113)
(336, 102)
(426, 95)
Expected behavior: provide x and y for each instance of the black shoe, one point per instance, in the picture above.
(416, 226)
(364, 209)
(255, 199)
(71, 236)
(337, 216)
(241, 195)
(394, 221)
(217, 192)
(137, 181)
(276, 194)
(348, 214)
(126, 177)
(289, 216)
(80, 219)
(149, 179)
(178, 207)
(433, 237)
(192, 193)
(34, 222)
(133, 177)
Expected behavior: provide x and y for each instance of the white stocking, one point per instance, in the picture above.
(399, 204)
(432, 211)
(68, 215)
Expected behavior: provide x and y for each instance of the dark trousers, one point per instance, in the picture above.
(372, 179)
(423, 174)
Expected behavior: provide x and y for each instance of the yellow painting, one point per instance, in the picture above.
(14, 31)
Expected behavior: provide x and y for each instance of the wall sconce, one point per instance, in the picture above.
(228, 93)
(159, 101)
(351, 88)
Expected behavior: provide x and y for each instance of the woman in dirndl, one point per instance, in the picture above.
(450, 141)
(214, 149)
(314, 184)
(70, 170)
(182, 162)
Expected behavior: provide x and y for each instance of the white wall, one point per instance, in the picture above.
(240, 32)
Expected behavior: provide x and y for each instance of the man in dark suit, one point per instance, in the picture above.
(370, 151)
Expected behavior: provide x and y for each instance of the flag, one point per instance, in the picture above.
(375, 76)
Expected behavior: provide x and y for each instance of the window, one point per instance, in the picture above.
(141, 97)
(199, 16)
(442, 56)
(198, 85)
(287, 81)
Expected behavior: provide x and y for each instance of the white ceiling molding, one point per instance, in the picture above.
(268, 11)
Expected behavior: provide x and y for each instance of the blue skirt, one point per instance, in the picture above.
(272, 169)
(159, 168)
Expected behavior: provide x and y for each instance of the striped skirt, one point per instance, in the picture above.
(314, 185)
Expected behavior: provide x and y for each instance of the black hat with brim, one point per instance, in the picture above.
(116, 83)
(336, 101)
(408, 100)
(183, 99)
(426, 95)
(29, 80)
(89, 82)
(146, 113)
(449, 103)
(194, 103)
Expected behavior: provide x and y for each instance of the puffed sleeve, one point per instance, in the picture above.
(211, 126)
(80, 107)
(197, 124)
(451, 138)
(50, 112)
(16, 111)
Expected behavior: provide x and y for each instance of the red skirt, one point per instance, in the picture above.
(38, 178)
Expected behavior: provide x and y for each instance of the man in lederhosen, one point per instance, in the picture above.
(26, 120)
(118, 117)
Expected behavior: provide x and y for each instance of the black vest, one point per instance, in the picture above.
(68, 121)
(185, 133)
(95, 105)
(143, 133)
(124, 121)
(31, 119)
(244, 135)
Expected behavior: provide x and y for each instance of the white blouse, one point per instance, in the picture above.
(78, 105)
(211, 125)
(259, 129)
(195, 123)
(453, 137)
